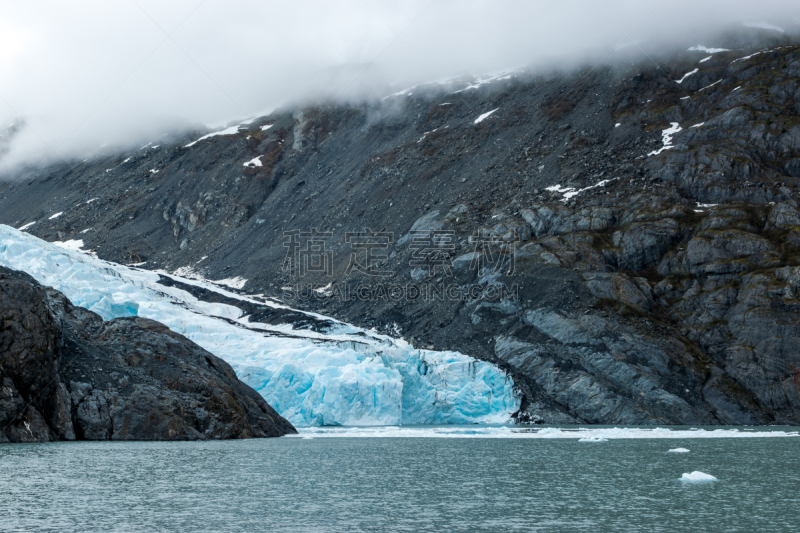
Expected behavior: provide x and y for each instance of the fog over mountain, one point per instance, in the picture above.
(90, 76)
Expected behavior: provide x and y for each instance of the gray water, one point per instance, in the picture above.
(460, 483)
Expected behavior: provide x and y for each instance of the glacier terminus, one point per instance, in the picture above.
(342, 375)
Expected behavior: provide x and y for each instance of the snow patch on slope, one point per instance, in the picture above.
(75, 245)
(745, 58)
(484, 116)
(570, 192)
(695, 71)
(189, 273)
(709, 86)
(234, 283)
(701, 48)
(483, 80)
(233, 130)
(477, 82)
(255, 162)
(666, 138)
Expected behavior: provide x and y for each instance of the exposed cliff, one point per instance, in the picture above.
(66, 375)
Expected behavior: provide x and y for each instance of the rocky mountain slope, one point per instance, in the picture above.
(624, 240)
(66, 375)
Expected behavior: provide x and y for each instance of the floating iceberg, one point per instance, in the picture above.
(679, 450)
(336, 375)
(697, 477)
(596, 438)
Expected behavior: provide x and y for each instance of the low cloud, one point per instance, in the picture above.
(85, 76)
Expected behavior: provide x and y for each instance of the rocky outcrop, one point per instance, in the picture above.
(65, 374)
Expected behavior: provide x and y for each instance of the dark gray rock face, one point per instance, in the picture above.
(65, 374)
(664, 287)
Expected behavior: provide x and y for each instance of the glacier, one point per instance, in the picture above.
(343, 375)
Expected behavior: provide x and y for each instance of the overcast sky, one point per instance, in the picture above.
(86, 73)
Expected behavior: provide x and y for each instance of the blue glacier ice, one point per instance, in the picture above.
(344, 376)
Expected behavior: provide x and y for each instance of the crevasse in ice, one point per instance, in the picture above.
(345, 376)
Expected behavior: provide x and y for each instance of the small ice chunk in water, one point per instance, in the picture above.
(596, 438)
(679, 450)
(697, 477)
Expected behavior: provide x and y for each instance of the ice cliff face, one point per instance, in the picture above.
(342, 376)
